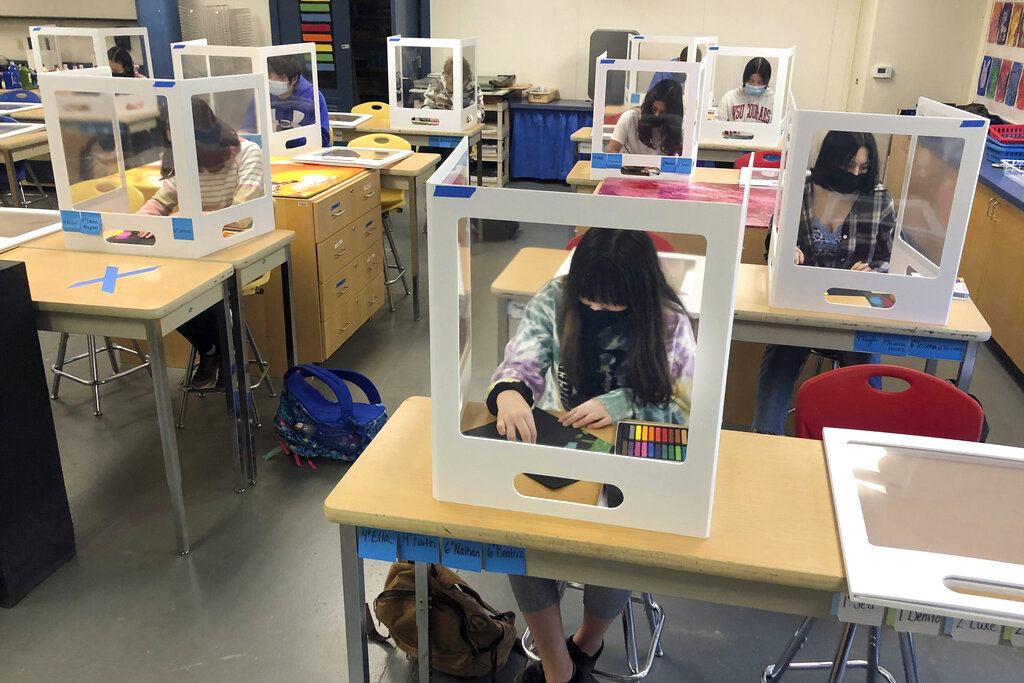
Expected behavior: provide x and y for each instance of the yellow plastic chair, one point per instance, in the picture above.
(373, 108)
(391, 200)
(87, 189)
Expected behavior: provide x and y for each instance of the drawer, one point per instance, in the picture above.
(372, 297)
(337, 208)
(344, 245)
(350, 278)
(341, 325)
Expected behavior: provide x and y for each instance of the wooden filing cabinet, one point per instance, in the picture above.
(338, 262)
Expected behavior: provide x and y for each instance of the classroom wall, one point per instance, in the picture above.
(14, 31)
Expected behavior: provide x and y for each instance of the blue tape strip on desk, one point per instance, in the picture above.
(504, 559)
(418, 548)
(70, 221)
(377, 544)
(468, 555)
(879, 342)
(442, 141)
(939, 349)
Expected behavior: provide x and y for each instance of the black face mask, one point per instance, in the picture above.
(839, 180)
(594, 321)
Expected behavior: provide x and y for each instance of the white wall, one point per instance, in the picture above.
(546, 42)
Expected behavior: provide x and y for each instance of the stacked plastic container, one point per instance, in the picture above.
(1004, 143)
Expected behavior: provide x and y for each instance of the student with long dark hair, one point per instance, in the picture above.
(608, 341)
(753, 99)
(121, 63)
(656, 127)
(847, 222)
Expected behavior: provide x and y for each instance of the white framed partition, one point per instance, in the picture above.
(678, 167)
(661, 495)
(409, 79)
(928, 218)
(725, 75)
(53, 46)
(659, 48)
(98, 149)
(196, 59)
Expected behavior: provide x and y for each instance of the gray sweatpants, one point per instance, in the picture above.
(534, 594)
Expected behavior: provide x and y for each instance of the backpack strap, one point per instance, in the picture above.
(361, 381)
(319, 406)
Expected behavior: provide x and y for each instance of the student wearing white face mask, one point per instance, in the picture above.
(291, 96)
(753, 100)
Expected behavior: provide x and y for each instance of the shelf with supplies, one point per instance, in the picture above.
(495, 145)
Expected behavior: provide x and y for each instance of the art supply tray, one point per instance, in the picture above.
(651, 440)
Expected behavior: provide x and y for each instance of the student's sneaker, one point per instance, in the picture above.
(534, 673)
(584, 663)
(205, 376)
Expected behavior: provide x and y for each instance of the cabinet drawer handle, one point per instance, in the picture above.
(372, 301)
(342, 329)
(992, 215)
(339, 254)
(367, 196)
(335, 214)
(342, 291)
(372, 266)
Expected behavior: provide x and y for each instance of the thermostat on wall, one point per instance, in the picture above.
(882, 71)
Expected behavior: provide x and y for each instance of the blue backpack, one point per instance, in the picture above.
(315, 426)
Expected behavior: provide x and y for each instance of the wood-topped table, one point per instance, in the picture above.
(20, 147)
(139, 297)
(774, 541)
(754, 319)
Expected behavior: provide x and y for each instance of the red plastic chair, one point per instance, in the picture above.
(765, 158)
(928, 407)
(660, 243)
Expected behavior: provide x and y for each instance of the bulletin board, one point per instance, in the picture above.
(1000, 85)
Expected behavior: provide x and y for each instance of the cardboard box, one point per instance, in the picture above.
(542, 96)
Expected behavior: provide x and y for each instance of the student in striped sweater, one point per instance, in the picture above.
(230, 172)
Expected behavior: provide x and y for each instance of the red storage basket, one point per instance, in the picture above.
(1007, 134)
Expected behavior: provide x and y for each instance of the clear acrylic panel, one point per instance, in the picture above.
(654, 123)
(69, 50)
(221, 65)
(469, 76)
(728, 77)
(230, 161)
(136, 47)
(93, 145)
(194, 66)
(917, 499)
(291, 90)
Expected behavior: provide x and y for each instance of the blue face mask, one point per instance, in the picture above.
(755, 90)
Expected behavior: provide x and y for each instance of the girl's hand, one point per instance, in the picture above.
(798, 259)
(515, 415)
(591, 414)
(860, 266)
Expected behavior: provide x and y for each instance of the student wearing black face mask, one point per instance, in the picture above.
(607, 342)
(847, 221)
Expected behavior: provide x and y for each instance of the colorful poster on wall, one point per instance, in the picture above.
(1013, 84)
(1020, 97)
(316, 24)
(1004, 75)
(993, 27)
(993, 77)
(1014, 30)
(1004, 23)
(986, 66)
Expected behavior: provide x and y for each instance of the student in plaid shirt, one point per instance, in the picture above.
(848, 220)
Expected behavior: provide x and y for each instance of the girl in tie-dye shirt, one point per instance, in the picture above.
(607, 342)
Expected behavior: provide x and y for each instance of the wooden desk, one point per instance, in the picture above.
(578, 138)
(706, 151)
(20, 147)
(417, 138)
(774, 542)
(754, 319)
(579, 178)
(141, 306)
(33, 115)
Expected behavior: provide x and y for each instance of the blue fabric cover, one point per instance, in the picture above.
(540, 145)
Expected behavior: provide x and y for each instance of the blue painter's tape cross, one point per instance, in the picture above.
(110, 278)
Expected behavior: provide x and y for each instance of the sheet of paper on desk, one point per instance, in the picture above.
(759, 177)
(684, 272)
(301, 181)
(759, 209)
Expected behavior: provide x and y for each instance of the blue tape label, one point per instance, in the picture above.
(441, 141)
(377, 544)
(598, 160)
(91, 223)
(458, 191)
(70, 221)
(878, 342)
(634, 98)
(613, 160)
(505, 559)
(163, 84)
(684, 165)
(972, 124)
(462, 554)
(668, 164)
(418, 548)
(607, 61)
(940, 349)
(182, 228)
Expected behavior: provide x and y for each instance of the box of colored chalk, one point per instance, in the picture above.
(651, 440)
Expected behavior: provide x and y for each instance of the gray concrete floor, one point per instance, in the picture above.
(259, 598)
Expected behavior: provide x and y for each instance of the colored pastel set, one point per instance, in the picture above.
(652, 441)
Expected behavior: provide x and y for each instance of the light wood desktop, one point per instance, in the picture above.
(20, 147)
(773, 545)
(68, 295)
(706, 151)
(755, 320)
(33, 115)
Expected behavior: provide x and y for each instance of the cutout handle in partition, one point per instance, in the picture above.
(986, 589)
(377, 544)
(295, 142)
(546, 487)
(859, 297)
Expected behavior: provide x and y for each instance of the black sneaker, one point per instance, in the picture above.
(584, 663)
(205, 376)
(534, 673)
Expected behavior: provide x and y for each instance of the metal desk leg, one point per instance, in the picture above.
(422, 621)
(874, 643)
(909, 656)
(479, 161)
(353, 610)
(12, 177)
(289, 318)
(963, 377)
(931, 366)
(775, 671)
(414, 249)
(842, 654)
(229, 373)
(162, 389)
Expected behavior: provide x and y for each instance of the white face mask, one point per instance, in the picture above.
(277, 88)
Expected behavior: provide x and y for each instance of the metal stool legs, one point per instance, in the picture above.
(655, 619)
(396, 266)
(90, 353)
(841, 662)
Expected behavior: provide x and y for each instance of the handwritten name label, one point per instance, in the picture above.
(504, 559)
(1015, 635)
(377, 544)
(418, 548)
(70, 221)
(918, 622)
(940, 349)
(971, 631)
(878, 342)
(846, 610)
(92, 223)
(462, 554)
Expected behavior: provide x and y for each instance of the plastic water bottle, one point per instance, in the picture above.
(25, 77)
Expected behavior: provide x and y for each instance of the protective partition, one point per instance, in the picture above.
(930, 524)
(658, 136)
(661, 48)
(295, 113)
(108, 136)
(741, 119)
(55, 46)
(658, 474)
(885, 243)
(421, 77)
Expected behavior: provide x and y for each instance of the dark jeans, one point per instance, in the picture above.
(201, 331)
